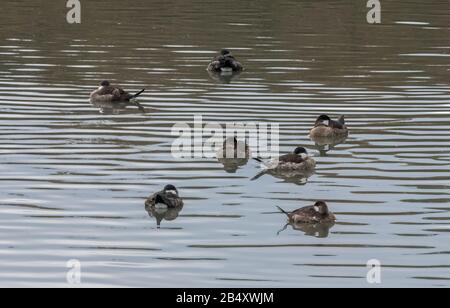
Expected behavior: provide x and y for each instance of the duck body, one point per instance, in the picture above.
(327, 128)
(225, 63)
(108, 93)
(315, 214)
(297, 161)
(233, 154)
(233, 149)
(166, 198)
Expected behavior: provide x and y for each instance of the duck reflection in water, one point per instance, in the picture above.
(319, 230)
(326, 144)
(294, 176)
(224, 77)
(116, 108)
(160, 214)
(233, 154)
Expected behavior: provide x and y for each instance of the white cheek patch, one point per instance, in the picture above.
(171, 192)
(316, 208)
(161, 206)
(326, 122)
(304, 155)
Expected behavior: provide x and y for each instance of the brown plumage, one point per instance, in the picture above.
(108, 93)
(168, 197)
(317, 213)
(325, 127)
(299, 160)
(233, 154)
(225, 62)
(292, 158)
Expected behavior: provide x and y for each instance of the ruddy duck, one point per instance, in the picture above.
(224, 63)
(167, 198)
(108, 93)
(233, 154)
(233, 148)
(325, 127)
(317, 213)
(298, 160)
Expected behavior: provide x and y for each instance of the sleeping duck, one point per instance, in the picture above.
(108, 93)
(327, 128)
(317, 213)
(233, 154)
(225, 63)
(298, 160)
(233, 148)
(167, 198)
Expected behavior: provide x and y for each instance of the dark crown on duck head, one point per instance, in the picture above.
(225, 52)
(323, 118)
(300, 150)
(321, 207)
(105, 83)
(170, 188)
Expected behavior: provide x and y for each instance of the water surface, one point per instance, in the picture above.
(74, 180)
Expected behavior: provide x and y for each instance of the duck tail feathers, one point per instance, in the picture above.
(283, 211)
(342, 120)
(138, 94)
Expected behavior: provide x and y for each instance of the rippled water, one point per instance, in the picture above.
(74, 180)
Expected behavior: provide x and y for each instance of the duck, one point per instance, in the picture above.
(108, 93)
(298, 160)
(225, 63)
(233, 148)
(233, 153)
(314, 214)
(327, 128)
(166, 198)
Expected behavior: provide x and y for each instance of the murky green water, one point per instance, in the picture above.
(73, 181)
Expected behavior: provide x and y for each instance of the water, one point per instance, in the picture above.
(74, 180)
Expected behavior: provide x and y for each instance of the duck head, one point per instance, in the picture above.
(104, 83)
(323, 120)
(302, 152)
(321, 207)
(171, 190)
(225, 52)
